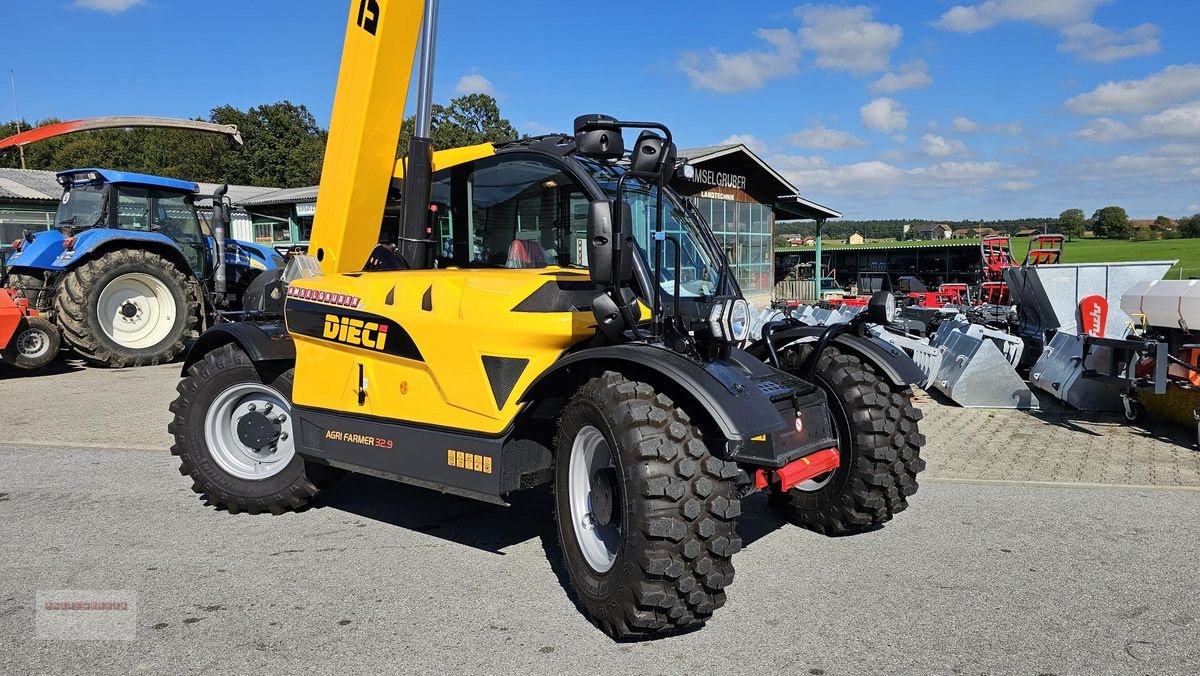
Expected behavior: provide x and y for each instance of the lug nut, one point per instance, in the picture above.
(283, 437)
(281, 418)
(268, 407)
(252, 407)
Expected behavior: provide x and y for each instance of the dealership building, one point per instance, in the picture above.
(739, 194)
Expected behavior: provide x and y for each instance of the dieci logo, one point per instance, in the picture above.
(355, 332)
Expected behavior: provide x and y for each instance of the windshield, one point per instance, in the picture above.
(81, 206)
(699, 271)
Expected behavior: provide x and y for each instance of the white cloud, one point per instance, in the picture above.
(1072, 19)
(1180, 122)
(1105, 45)
(884, 115)
(965, 125)
(814, 174)
(824, 138)
(911, 75)
(744, 71)
(846, 38)
(1053, 13)
(751, 141)
(1171, 84)
(110, 6)
(940, 146)
(1016, 186)
(474, 83)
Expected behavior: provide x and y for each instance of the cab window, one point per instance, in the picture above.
(525, 212)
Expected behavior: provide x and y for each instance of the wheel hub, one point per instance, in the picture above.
(258, 431)
(129, 310)
(604, 483)
(32, 344)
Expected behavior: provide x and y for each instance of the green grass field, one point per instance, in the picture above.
(1186, 251)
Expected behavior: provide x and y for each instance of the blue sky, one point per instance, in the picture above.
(897, 109)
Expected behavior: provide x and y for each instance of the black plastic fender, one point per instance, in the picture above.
(262, 341)
(890, 361)
(754, 406)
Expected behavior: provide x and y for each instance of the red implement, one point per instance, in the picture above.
(10, 316)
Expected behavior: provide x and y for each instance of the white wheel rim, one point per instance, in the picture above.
(227, 449)
(33, 343)
(598, 543)
(136, 310)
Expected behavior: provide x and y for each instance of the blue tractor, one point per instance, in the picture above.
(132, 272)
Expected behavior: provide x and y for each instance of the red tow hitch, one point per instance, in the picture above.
(799, 471)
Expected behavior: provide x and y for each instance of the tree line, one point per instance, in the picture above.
(1113, 222)
(283, 144)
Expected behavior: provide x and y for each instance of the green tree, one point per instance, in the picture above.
(1190, 226)
(284, 146)
(1072, 223)
(1161, 223)
(467, 120)
(1111, 223)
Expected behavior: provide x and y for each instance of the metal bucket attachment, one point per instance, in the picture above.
(1059, 373)
(975, 372)
(1047, 296)
(926, 357)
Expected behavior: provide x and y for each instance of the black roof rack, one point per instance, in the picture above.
(557, 144)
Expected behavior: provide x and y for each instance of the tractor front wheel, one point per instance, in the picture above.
(126, 308)
(879, 443)
(645, 513)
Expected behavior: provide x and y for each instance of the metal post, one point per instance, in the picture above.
(415, 240)
(12, 76)
(817, 267)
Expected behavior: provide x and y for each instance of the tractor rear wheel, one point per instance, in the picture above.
(879, 443)
(126, 308)
(35, 344)
(234, 436)
(645, 513)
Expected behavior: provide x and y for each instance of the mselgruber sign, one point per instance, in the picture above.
(719, 179)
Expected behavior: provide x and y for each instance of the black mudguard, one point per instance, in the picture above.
(889, 361)
(262, 341)
(753, 405)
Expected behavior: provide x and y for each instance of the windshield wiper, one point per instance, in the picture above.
(69, 221)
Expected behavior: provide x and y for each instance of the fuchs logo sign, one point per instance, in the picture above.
(1093, 315)
(357, 332)
(339, 299)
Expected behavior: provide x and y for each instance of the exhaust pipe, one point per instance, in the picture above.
(415, 241)
(220, 221)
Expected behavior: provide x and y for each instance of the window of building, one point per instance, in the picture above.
(14, 223)
(744, 231)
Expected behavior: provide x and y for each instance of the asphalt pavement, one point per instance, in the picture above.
(378, 577)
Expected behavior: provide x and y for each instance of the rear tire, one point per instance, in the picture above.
(667, 507)
(226, 471)
(130, 307)
(879, 443)
(34, 345)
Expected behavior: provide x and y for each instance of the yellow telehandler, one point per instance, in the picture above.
(547, 312)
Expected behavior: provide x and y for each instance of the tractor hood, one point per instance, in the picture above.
(40, 253)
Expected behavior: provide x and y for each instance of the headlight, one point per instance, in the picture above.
(730, 320)
(882, 308)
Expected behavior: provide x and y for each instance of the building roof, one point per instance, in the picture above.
(282, 196)
(930, 227)
(29, 184)
(789, 200)
(112, 176)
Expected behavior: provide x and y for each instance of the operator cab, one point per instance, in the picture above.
(102, 198)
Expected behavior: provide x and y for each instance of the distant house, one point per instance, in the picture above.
(930, 231)
(986, 232)
(1027, 233)
(1141, 223)
(962, 233)
(801, 241)
(856, 239)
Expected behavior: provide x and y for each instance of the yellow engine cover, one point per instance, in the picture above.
(449, 348)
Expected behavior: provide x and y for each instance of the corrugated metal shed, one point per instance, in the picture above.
(29, 184)
(282, 196)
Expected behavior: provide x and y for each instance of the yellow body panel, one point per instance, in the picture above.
(470, 315)
(451, 157)
(368, 109)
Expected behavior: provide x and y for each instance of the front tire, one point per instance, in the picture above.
(222, 402)
(645, 512)
(879, 443)
(34, 345)
(126, 308)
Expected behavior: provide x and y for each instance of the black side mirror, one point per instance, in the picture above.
(651, 155)
(599, 137)
(604, 242)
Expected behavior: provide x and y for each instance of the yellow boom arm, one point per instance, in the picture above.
(368, 110)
